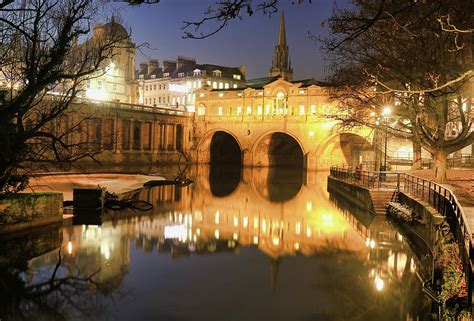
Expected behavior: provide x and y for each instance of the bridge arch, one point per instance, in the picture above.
(220, 146)
(278, 148)
(346, 147)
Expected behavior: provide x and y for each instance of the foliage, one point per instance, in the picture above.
(401, 54)
(43, 68)
(454, 287)
(401, 211)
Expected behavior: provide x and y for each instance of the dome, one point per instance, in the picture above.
(112, 28)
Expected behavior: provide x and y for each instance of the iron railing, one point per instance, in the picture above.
(439, 197)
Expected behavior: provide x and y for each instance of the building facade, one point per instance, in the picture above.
(175, 83)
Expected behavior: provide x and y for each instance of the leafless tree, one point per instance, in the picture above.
(47, 54)
(410, 56)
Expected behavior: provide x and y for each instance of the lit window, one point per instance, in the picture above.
(267, 110)
(221, 85)
(208, 82)
(217, 73)
(260, 93)
(181, 74)
(313, 109)
(234, 85)
(201, 111)
(249, 110)
(301, 91)
(239, 110)
(259, 110)
(238, 77)
(199, 84)
(197, 72)
(226, 86)
(214, 85)
(166, 74)
(220, 111)
(302, 110)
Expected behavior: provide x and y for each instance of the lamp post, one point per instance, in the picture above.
(385, 113)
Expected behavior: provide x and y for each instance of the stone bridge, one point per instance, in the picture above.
(280, 124)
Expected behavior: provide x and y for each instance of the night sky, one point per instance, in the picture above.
(249, 42)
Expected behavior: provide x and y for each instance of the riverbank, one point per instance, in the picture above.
(461, 182)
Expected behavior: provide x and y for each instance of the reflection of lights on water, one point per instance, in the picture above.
(370, 243)
(308, 231)
(276, 240)
(298, 228)
(379, 283)
(236, 236)
(328, 219)
(175, 231)
(255, 240)
(309, 206)
(230, 244)
(264, 226)
(255, 222)
(217, 217)
(69, 247)
(180, 217)
(104, 249)
(246, 221)
(297, 246)
(236, 221)
(216, 234)
(198, 231)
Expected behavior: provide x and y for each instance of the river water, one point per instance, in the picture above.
(253, 244)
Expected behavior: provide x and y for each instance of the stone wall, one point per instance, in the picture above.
(26, 210)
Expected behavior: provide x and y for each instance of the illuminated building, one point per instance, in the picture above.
(175, 83)
(115, 81)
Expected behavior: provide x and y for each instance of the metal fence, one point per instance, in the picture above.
(439, 197)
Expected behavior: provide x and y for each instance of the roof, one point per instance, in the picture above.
(227, 72)
(310, 82)
(260, 82)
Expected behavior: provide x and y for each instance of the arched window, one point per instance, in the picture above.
(201, 111)
(281, 104)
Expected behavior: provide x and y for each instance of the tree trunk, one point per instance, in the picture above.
(440, 167)
(417, 164)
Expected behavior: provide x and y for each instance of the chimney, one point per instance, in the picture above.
(184, 61)
(152, 67)
(143, 70)
(169, 66)
(243, 70)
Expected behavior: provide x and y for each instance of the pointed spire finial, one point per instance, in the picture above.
(282, 33)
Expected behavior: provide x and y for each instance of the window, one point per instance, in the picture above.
(180, 74)
(249, 110)
(208, 82)
(260, 93)
(226, 85)
(267, 110)
(214, 85)
(235, 86)
(201, 111)
(153, 76)
(238, 77)
(239, 110)
(302, 110)
(301, 92)
(217, 73)
(154, 87)
(141, 76)
(146, 88)
(197, 72)
(114, 86)
(221, 85)
(220, 111)
(159, 100)
(259, 110)
(166, 74)
(313, 110)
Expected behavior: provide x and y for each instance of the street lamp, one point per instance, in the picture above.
(385, 113)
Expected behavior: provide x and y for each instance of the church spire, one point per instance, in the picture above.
(282, 34)
(281, 65)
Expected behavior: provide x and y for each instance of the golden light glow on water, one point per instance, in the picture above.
(379, 283)
(69, 247)
(246, 221)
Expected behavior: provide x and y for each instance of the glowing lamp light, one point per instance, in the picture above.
(386, 111)
(372, 114)
(379, 283)
(276, 241)
(236, 236)
(69, 247)
(96, 94)
(255, 240)
(311, 133)
(372, 244)
(216, 234)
